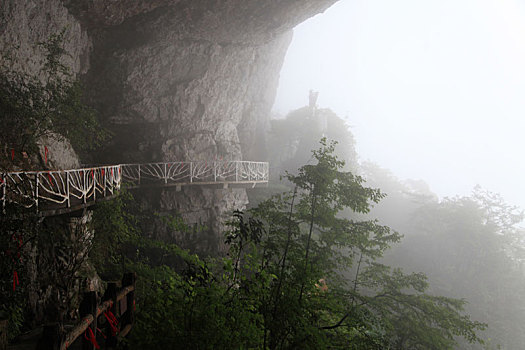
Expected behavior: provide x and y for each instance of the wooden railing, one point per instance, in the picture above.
(116, 310)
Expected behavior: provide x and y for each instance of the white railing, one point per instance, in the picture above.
(69, 188)
(59, 188)
(195, 172)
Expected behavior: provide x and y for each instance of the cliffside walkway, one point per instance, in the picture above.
(56, 192)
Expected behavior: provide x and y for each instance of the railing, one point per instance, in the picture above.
(116, 310)
(61, 188)
(66, 189)
(195, 172)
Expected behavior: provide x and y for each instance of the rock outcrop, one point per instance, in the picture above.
(172, 79)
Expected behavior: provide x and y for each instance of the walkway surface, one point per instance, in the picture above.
(61, 191)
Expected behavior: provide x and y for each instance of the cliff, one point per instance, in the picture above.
(172, 79)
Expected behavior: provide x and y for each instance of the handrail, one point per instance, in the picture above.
(65, 189)
(121, 304)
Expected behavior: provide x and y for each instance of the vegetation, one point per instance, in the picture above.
(49, 104)
(297, 276)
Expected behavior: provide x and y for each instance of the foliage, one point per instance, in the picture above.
(472, 247)
(298, 275)
(50, 104)
(17, 231)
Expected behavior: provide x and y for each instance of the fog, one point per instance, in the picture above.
(432, 90)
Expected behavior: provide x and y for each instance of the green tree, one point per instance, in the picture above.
(312, 248)
(297, 275)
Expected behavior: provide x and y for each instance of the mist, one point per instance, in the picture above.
(431, 90)
(148, 200)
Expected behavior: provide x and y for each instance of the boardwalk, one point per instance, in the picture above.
(57, 192)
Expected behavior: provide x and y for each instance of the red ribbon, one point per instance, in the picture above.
(102, 333)
(92, 174)
(102, 171)
(46, 151)
(111, 172)
(113, 322)
(15, 280)
(50, 177)
(12, 153)
(91, 338)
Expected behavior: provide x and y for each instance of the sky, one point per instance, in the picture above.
(432, 90)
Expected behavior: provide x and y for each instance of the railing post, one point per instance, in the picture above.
(128, 318)
(94, 176)
(4, 191)
(37, 183)
(236, 171)
(88, 306)
(139, 175)
(105, 175)
(111, 294)
(165, 173)
(84, 183)
(191, 171)
(67, 190)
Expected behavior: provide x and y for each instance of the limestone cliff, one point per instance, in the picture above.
(173, 79)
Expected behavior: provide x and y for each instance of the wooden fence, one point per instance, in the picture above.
(115, 312)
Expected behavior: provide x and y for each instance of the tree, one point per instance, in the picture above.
(313, 249)
(297, 275)
(472, 247)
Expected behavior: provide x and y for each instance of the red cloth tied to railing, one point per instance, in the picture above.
(20, 243)
(101, 333)
(113, 322)
(91, 337)
(15, 280)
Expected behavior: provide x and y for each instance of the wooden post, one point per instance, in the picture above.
(51, 338)
(111, 294)
(3, 334)
(128, 318)
(88, 306)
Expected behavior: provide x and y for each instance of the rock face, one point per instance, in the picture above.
(173, 79)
